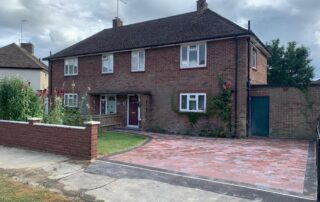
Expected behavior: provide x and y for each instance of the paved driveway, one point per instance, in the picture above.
(263, 163)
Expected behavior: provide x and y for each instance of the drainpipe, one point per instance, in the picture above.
(236, 87)
(248, 92)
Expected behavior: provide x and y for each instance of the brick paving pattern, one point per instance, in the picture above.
(266, 163)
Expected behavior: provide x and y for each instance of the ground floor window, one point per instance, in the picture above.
(71, 100)
(193, 102)
(108, 104)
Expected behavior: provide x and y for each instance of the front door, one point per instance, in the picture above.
(133, 113)
(260, 116)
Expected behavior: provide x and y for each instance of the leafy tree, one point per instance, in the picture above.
(18, 101)
(289, 65)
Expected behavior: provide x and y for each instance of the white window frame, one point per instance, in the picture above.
(139, 68)
(110, 70)
(188, 66)
(75, 67)
(106, 100)
(252, 64)
(66, 100)
(191, 99)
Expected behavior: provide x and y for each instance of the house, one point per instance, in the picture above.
(140, 71)
(20, 62)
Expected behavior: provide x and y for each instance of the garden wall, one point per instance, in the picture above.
(290, 114)
(80, 142)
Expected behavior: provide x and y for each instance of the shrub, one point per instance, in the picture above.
(18, 101)
(57, 112)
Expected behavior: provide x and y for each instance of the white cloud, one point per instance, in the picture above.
(243, 22)
(317, 36)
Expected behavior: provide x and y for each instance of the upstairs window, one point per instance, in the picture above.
(254, 58)
(193, 56)
(107, 64)
(138, 61)
(193, 102)
(71, 100)
(71, 67)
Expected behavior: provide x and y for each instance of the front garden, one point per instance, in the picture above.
(111, 142)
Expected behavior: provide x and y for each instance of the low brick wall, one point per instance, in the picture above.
(288, 111)
(80, 142)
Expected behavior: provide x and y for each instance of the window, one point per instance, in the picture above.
(71, 67)
(108, 104)
(193, 56)
(138, 61)
(254, 58)
(192, 102)
(71, 100)
(107, 64)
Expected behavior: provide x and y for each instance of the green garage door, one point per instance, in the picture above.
(260, 116)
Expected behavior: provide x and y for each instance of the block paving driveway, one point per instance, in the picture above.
(264, 163)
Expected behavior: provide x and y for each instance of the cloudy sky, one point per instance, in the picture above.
(55, 24)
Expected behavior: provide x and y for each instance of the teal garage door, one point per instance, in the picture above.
(260, 116)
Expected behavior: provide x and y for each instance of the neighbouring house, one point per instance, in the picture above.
(20, 62)
(140, 71)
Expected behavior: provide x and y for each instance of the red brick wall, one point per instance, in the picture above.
(71, 141)
(259, 75)
(164, 79)
(287, 109)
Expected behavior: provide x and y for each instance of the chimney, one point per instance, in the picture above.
(28, 47)
(117, 22)
(202, 5)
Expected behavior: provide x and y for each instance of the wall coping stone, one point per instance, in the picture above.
(92, 123)
(59, 126)
(17, 122)
(34, 119)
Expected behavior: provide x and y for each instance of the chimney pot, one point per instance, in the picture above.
(28, 47)
(117, 22)
(202, 5)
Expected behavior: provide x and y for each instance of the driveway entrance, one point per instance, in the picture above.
(268, 164)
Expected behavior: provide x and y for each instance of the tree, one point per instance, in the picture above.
(18, 101)
(290, 65)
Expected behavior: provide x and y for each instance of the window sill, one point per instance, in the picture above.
(199, 112)
(107, 73)
(195, 67)
(71, 75)
(254, 68)
(138, 71)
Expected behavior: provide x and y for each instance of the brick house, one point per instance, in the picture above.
(139, 71)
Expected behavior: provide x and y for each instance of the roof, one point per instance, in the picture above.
(194, 26)
(14, 57)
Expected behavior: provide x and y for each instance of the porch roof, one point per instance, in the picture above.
(121, 93)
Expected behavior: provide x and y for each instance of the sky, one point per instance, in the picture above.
(53, 25)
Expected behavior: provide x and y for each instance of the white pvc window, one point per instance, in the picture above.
(138, 61)
(254, 58)
(193, 102)
(107, 64)
(193, 56)
(108, 104)
(71, 67)
(71, 100)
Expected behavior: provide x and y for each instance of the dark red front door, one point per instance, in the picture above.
(133, 110)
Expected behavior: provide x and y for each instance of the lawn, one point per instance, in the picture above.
(111, 142)
(11, 191)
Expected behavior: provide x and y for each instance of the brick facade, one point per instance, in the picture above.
(288, 111)
(164, 80)
(78, 142)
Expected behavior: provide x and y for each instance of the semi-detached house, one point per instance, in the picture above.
(139, 71)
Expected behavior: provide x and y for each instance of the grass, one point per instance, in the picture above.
(113, 142)
(11, 191)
